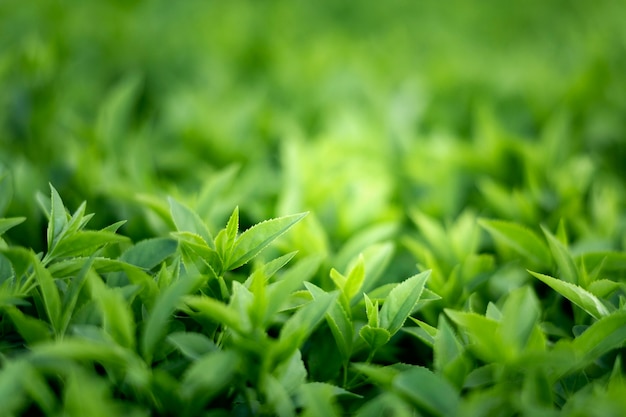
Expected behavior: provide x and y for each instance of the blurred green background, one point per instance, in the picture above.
(361, 112)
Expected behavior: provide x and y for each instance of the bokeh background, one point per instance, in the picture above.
(369, 114)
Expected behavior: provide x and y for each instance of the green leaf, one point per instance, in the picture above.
(521, 239)
(375, 337)
(191, 344)
(278, 292)
(567, 269)
(49, 294)
(577, 295)
(217, 311)
(259, 236)
(12, 395)
(86, 395)
(186, 220)
(6, 224)
(446, 347)
(117, 318)
(225, 239)
(30, 328)
(82, 242)
(340, 325)
(355, 279)
(57, 220)
(428, 391)
(206, 378)
(401, 302)
(156, 323)
(150, 252)
(299, 326)
(318, 400)
(425, 332)
(487, 343)
(376, 259)
(371, 309)
(606, 334)
(520, 314)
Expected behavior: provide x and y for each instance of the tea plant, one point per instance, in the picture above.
(183, 325)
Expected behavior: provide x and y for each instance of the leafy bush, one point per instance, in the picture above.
(458, 170)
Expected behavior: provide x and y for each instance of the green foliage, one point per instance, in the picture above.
(477, 150)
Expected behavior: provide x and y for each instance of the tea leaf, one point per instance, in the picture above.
(186, 220)
(577, 295)
(82, 242)
(259, 236)
(6, 224)
(192, 345)
(519, 317)
(205, 378)
(58, 218)
(401, 302)
(567, 269)
(339, 323)
(150, 252)
(49, 293)
(428, 391)
(156, 323)
(606, 334)
(375, 337)
(521, 239)
(216, 311)
(31, 329)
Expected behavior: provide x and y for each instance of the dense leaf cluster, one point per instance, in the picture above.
(459, 173)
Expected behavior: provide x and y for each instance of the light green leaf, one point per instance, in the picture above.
(259, 236)
(606, 334)
(446, 347)
(300, 325)
(376, 259)
(225, 239)
(49, 293)
(371, 309)
(428, 391)
(278, 399)
(425, 332)
(375, 337)
(206, 377)
(521, 239)
(279, 292)
(58, 218)
(6, 224)
(567, 268)
(355, 279)
(150, 252)
(186, 220)
(117, 318)
(158, 318)
(82, 242)
(318, 400)
(577, 295)
(30, 328)
(217, 311)
(520, 314)
(191, 344)
(486, 341)
(339, 323)
(401, 302)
